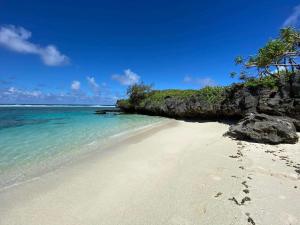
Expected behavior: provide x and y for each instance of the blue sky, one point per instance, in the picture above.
(88, 52)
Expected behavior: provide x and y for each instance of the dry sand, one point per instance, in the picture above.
(181, 173)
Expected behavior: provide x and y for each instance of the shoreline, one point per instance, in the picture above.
(35, 172)
(176, 173)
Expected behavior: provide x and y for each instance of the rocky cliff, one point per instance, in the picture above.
(282, 100)
(237, 101)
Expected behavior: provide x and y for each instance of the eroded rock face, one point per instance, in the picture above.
(263, 128)
(239, 100)
(281, 103)
(193, 107)
(283, 100)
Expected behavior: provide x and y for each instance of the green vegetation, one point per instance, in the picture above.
(268, 81)
(280, 56)
(158, 97)
(212, 94)
(124, 104)
(140, 94)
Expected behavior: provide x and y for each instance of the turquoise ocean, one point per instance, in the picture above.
(37, 139)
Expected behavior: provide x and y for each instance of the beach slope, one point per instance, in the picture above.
(181, 173)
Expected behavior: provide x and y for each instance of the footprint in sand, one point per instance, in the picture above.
(218, 194)
(246, 191)
(244, 183)
(250, 220)
(245, 199)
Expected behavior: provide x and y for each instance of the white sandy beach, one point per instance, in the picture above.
(179, 173)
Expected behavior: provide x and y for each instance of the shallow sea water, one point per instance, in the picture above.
(34, 140)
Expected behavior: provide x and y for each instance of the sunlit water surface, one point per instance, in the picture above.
(34, 140)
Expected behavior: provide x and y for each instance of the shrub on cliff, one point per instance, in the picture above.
(212, 94)
(209, 94)
(268, 81)
(158, 96)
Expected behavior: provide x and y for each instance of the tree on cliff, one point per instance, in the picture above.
(138, 92)
(278, 56)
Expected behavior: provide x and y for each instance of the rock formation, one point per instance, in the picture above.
(276, 103)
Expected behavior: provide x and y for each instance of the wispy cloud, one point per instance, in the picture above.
(75, 85)
(14, 95)
(15, 92)
(294, 19)
(202, 82)
(127, 78)
(17, 39)
(94, 85)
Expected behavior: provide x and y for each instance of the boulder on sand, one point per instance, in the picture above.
(263, 128)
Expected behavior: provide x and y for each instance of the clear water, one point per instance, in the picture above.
(34, 140)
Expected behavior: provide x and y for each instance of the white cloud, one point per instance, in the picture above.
(17, 39)
(75, 85)
(205, 81)
(294, 19)
(14, 92)
(14, 95)
(93, 84)
(128, 78)
(52, 57)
